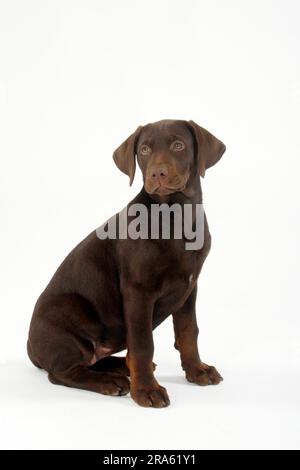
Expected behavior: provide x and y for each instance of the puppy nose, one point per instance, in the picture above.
(159, 172)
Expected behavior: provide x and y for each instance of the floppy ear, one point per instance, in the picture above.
(124, 156)
(209, 149)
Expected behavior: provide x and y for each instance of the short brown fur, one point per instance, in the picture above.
(109, 295)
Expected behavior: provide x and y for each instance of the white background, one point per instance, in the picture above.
(76, 78)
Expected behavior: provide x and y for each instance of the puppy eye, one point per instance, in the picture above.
(145, 150)
(177, 145)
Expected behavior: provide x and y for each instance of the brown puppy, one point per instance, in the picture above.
(109, 294)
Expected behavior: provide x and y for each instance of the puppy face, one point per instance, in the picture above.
(168, 153)
(165, 154)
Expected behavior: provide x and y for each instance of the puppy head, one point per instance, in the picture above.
(169, 153)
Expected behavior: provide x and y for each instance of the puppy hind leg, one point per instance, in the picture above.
(70, 367)
(106, 383)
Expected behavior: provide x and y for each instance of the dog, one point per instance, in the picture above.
(109, 294)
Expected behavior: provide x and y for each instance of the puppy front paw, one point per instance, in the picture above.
(203, 375)
(154, 396)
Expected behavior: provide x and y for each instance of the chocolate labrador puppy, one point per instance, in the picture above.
(109, 294)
